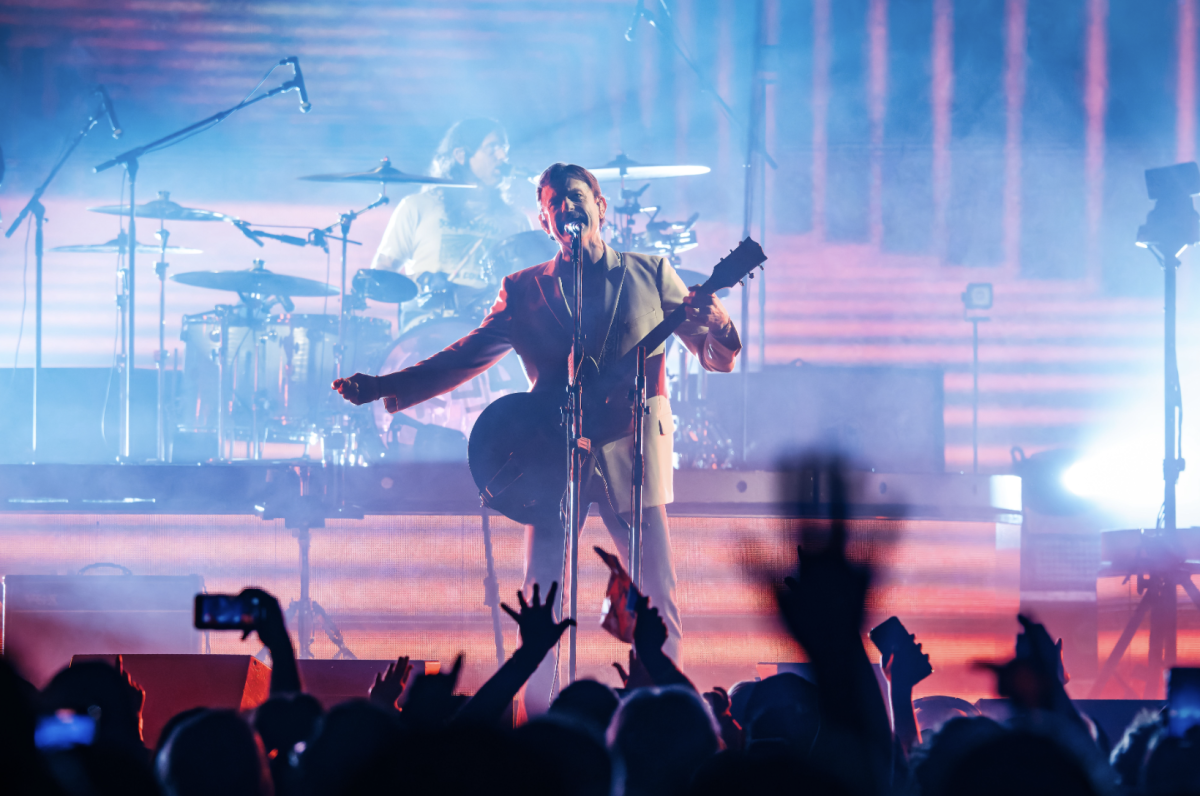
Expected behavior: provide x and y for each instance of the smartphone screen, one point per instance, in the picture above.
(63, 730)
(1183, 700)
(226, 612)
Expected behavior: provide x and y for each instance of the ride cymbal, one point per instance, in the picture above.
(255, 281)
(385, 173)
(163, 209)
(118, 244)
(622, 166)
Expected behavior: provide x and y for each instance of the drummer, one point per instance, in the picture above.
(438, 237)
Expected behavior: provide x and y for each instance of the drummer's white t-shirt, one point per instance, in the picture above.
(419, 238)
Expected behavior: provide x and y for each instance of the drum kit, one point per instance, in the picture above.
(256, 374)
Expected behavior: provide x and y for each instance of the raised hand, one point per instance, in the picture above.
(823, 606)
(650, 632)
(272, 632)
(136, 694)
(430, 699)
(358, 389)
(539, 631)
(389, 685)
(907, 665)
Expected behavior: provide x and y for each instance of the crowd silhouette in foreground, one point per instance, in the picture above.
(658, 735)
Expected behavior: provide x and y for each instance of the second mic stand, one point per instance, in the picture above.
(129, 160)
(640, 410)
(34, 206)
(579, 446)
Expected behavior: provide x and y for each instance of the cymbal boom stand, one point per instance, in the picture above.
(129, 159)
(34, 206)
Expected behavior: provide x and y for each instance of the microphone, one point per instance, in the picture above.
(573, 223)
(109, 111)
(639, 11)
(297, 82)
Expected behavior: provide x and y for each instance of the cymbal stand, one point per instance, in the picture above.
(579, 446)
(160, 356)
(34, 206)
(129, 159)
(222, 367)
(345, 220)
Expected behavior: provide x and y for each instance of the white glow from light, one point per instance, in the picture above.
(1121, 472)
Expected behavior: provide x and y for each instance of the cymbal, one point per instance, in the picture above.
(386, 286)
(385, 173)
(256, 281)
(621, 166)
(162, 208)
(118, 244)
(691, 278)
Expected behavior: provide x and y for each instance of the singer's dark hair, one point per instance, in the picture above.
(467, 135)
(557, 175)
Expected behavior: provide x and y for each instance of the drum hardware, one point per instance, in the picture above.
(129, 159)
(256, 281)
(622, 167)
(118, 245)
(163, 209)
(34, 206)
(384, 173)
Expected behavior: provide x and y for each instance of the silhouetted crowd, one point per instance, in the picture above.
(658, 735)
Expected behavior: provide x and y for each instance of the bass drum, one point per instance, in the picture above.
(456, 411)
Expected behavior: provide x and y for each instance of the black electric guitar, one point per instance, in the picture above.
(518, 446)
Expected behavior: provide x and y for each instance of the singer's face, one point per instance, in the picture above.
(560, 204)
(485, 163)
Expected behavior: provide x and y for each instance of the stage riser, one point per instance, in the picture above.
(413, 584)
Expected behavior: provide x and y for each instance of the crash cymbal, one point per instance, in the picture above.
(622, 166)
(255, 281)
(118, 244)
(162, 208)
(386, 286)
(385, 173)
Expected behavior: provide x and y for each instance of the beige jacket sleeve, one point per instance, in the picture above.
(715, 355)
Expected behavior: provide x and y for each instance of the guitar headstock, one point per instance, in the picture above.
(734, 266)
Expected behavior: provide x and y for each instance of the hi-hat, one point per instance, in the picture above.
(118, 244)
(622, 166)
(255, 281)
(385, 173)
(164, 209)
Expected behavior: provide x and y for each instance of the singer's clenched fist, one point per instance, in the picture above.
(358, 389)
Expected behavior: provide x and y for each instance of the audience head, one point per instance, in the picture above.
(346, 739)
(933, 712)
(97, 689)
(576, 763)
(782, 710)
(658, 738)
(1017, 762)
(215, 753)
(1172, 764)
(588, 703)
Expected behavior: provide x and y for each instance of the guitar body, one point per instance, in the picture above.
(518, 451)
(518, 455)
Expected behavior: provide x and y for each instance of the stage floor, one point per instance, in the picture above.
(413, 584)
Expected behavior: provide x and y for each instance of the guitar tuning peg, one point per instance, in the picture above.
(751, 274)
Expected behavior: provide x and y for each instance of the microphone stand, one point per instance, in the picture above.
(640, 410)
(129, 160)
(34, 206)
(579, 446)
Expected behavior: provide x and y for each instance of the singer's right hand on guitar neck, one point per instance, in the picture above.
(358, 389)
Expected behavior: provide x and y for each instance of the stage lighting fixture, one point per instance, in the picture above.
(977, 296)
(1044, 476)
(1173, 224)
